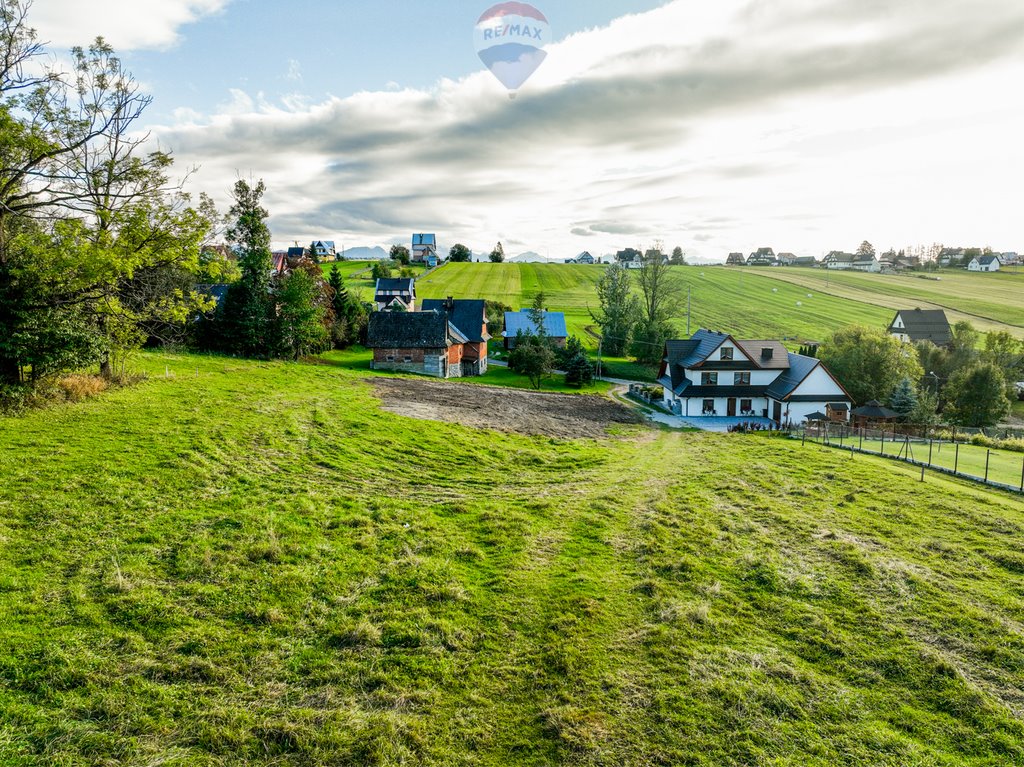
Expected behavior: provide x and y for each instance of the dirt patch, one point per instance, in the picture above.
(569, 416)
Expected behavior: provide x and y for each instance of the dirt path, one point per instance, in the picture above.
(569, 416)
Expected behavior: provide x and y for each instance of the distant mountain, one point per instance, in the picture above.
(376, 253)
(529, 257)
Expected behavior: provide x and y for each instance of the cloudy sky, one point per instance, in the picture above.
(806, 125)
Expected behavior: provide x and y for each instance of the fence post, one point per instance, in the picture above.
(861, 437)
(1022, 476)
(956, 460)
(988, 455)
(931, 444)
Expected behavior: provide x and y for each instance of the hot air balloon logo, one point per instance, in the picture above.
(510, 39)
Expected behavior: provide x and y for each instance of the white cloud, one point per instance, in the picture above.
(125, 24)
(718, 127)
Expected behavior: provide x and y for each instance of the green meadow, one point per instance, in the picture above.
(240, 563)
(991, 302)
(750, 306)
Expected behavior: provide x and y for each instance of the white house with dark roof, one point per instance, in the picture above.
(912, 325)
(989, 263)
(395, 295)
(713, 374)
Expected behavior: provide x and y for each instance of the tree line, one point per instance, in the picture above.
(101, 250)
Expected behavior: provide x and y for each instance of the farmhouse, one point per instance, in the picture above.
(736, 259)
(913, 325)
(989, 263)
(583, 258)
(469, 317)
(395, 294)
(553, 324)
(713, 374)
(416, 342)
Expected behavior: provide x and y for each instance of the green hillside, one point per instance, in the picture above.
(989, 301)
(252, 563)
(748, 305)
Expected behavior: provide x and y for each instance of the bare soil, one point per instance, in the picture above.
(569, 416)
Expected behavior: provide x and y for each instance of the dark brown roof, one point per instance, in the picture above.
(754, 349)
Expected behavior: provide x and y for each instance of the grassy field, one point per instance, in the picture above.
(750, 306)
(989, 301)
(1004, 466)
(358, 359)
(251, 563)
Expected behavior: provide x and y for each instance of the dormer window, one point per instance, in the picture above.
(767, 353)
(727, 352)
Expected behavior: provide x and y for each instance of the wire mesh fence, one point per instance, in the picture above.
(998, 468)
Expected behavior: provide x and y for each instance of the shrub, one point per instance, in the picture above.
(79, 387)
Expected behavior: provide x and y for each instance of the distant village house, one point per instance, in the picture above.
(913, 325)
(988, 263)
(395, 295)
(423, 246)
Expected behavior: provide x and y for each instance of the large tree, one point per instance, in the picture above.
(246, 319)
(976, 396)
(869, 362)
(93, 239)
(618, 312)
(303, 311)
(400, 254)
(660, 300)
(459, 253)
(498, 254)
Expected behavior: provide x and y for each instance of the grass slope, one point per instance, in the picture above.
(990, 301)
(748, 305)
(252, 564)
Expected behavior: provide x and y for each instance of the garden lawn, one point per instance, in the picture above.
(252, 564)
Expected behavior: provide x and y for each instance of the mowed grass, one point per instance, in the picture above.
(992, 302)
(747, 305)
(347, 268)
(1003, 466)
(358, 359)
(251, 563)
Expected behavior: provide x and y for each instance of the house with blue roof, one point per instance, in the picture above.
(323, 249)
(423, 246)
(552, 323)
(715, 375)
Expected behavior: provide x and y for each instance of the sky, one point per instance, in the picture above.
(804, 125)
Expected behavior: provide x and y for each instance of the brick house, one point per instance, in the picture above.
(416, 342)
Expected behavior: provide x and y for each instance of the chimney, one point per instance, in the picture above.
(767, 353)
(449, 304)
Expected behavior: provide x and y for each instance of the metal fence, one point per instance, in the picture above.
(999, 468)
